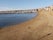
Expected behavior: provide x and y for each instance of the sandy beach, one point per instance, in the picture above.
(38, 28)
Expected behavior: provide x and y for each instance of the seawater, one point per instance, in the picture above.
(12, 19)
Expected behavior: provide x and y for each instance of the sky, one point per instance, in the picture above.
(24, 4)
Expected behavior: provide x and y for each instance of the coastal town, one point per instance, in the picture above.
(28, 11)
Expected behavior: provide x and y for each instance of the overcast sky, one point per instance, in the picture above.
(24, 4)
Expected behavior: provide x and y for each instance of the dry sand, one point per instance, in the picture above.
(38, 28)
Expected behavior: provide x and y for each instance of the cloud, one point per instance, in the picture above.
(8, 8)
(5, 8)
